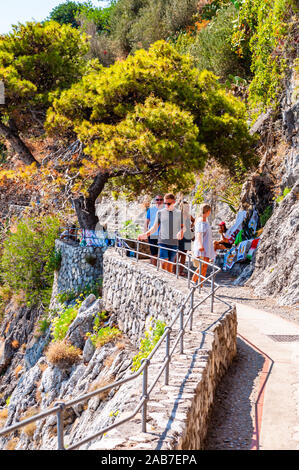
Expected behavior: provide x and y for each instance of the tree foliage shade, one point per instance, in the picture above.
(27, 259)
(152, 110)
(37, 59)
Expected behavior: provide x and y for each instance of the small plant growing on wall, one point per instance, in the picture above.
(147, 344)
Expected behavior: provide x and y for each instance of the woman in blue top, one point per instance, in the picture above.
(203, 244)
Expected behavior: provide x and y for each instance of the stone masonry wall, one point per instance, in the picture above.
(178, 413)
(80, 266)
(137, 293)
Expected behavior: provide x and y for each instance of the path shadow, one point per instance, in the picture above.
(231, 424)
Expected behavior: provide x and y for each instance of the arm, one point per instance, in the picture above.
(154, 228)
(180, 234)
(199, 238)
(145, 235)
(147, 221)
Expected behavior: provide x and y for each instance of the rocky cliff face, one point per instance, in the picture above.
(276, 271)
(30, 383)
(276, 267)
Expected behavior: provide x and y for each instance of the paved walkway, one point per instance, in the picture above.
(277, 408)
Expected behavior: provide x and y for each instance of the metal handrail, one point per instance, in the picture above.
(59, 407)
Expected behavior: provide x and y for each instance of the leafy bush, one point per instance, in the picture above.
(280, 198)
(263, 33)
(81, 293)
(130, 229)
(211, 48)
(137, 24)
(27, 262)
(148, 343)
(103, 335)
(265, 216)
(61, 322)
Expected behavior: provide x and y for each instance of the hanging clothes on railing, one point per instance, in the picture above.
(90, 238)
(235, 229)
(253, 247)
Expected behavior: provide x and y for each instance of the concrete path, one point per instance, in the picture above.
(277, 407)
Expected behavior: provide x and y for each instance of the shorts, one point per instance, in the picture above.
(226, 244)
(153, 249)
(167, 253)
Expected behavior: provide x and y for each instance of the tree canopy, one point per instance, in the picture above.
(36, 60)
(150, 118)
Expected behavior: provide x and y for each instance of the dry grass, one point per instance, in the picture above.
(120, 345)
(3, 416)
(38, 395)
(15, 344)
(63, 354)
(100, 384)
(43, 367)
(18, 370)
(12, 444)
(109, 360)
(30, 428)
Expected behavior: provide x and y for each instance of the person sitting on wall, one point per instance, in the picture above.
(225, 242)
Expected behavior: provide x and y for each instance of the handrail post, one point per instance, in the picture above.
(192, 308)
(137, 254)
(60, 430)
(212, 289)
(177, 264)
(189, 270)
(199, 273)
(158, 258)
(167, 339)
(182, 331)
(144, 394)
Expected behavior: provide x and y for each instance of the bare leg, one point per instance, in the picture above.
(203, 273)
(182, 262)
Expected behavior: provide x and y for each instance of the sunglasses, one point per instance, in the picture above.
(157, 200)
(168, 203)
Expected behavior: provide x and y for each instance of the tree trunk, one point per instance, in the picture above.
(85, 206)
(11, 134)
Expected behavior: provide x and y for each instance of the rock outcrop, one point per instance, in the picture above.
(276, 270)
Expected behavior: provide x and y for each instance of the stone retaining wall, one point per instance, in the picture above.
(80, 266)
(136, 293)
(178, 413)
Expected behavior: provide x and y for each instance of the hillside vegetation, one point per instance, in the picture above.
(137, 97)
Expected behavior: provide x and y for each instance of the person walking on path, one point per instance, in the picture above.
(171, 228)
(185, 243)
(150, 220)
(203, 243)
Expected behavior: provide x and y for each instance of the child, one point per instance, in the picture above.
(203, 243)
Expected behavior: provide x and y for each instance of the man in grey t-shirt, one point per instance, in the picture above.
(171, 231)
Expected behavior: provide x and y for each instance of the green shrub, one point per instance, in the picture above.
(27, 259)
(61, 323)
(265, 216)
(82, 292)
(264, 34)
(147, 344)
(103, 335)
(212, 49)
(130, 229)
(280, 198)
